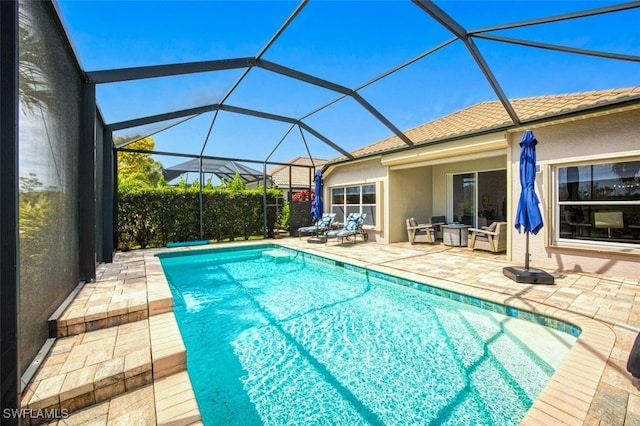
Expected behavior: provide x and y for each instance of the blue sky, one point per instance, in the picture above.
(348, 43)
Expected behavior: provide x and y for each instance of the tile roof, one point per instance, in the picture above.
(299, 175)
(492, 115)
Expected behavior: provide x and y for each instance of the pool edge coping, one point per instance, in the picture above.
(567, 396)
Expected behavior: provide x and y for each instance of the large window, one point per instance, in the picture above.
(599, 202)
(354, 199)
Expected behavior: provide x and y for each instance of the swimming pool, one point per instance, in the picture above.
(275, 336)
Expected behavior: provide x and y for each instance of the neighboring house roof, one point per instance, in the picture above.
(301, 177)
(223, 169)
(487, 116)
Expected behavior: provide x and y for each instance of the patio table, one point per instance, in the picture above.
(455, 235)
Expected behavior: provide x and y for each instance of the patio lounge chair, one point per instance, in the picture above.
(352, 227)
(492, 238)
(323, 224)
(420, 232)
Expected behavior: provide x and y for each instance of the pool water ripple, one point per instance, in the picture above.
(304, 342)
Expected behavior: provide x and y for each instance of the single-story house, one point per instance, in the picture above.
(297, 176)
(465, 166)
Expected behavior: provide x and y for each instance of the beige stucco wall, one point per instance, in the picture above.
(405, 189)
(440, 172)
(610, 136)
(357, 173)
(409, 196)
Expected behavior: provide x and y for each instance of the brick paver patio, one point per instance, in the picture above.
(120, 358)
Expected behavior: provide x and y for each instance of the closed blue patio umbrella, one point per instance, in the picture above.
(528, 216)
(316, 205)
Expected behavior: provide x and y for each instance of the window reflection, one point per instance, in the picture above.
(354, 199)
(600, 182)
(600, 202)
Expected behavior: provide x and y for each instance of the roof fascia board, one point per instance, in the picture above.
(469, 145)
(453, 158)
(138, 73)
(627, 104)
(327, 169)
(552, 120)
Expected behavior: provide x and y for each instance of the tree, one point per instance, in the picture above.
(235, 185)
(34, 91)
(139, 167)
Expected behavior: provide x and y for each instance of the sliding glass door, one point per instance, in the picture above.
(477, 198)
(463, 199)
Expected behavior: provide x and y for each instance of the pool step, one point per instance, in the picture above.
(167, 348)
(168, 401)
(88, 368)
(175, 401)
(118, 298)
(279, 255)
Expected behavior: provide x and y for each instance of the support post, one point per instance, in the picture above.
(108, 196)
(86, 184)
(9, 252)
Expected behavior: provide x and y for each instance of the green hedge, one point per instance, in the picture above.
(152, 217)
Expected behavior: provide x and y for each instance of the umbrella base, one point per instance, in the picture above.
(530, 276)
(317, 240)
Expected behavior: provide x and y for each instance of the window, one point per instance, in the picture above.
(599, 202)
(354, 199)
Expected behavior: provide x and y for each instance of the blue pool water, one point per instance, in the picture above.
(278, 337)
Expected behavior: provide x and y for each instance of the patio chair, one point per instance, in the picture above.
(323, 224)
(437, 222)
(420, 232)
(352, 227)
(492, 238)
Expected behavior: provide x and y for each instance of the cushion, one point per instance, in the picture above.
(493, 227)
(413, 222)
(324, 222)
(423, 231)
(438, 219)
(351, 225)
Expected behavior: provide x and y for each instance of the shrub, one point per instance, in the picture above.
(152, 217)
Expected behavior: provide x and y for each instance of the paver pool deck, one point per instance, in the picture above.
(119, 357)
